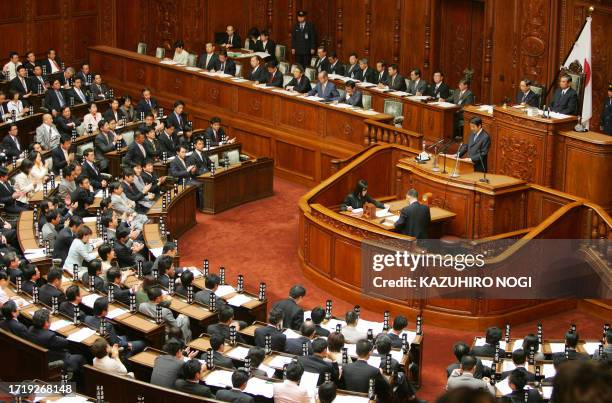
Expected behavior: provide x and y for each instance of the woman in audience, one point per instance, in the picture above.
(107, 255)
(22, 180)
(40, 171)
(252, 38)
(128, 109)
(91, 120)
(335, 343)
(15, 105)
(106, 358)
(181, 56)
(81, 251)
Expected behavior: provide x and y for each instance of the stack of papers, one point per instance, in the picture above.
(238, 353)
(383, 212)
(314, 98)
(504, 387)
(239, 300)
(508, 365)
(366, 85)
(260, 387)
(590, 347)
(58, 324)
(374, 361)
(261, 85)
(196, 273)
(342, 105)
(399, 93)
(557, 347)
(89, 300)
(368, 112)
(548, 370)
(219, 378)
(268, 370)
(418, 97)
(291, 334)
(443, 104)
(34, 253)
(557, 115)
(156, 251)
(81, 334)
(116, 312)
(171, 62)
(239, 80)
(224, 290)
(191, 68)
(279, 361)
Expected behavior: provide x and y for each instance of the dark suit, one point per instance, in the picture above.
(293, 314)
(235, 41)
(606, 117)
(57, 346)
(151, 178)
(321, 331)
(83, 198)
(530, 376)
(178, 122)
(17, 86)
(316, 364)
(303, 40)
(486, 350)
(355, 99)
(34, 82)
(46, 64)
(12, 147)
(178, 169)
(223, 330)
(275, 80)
(78, 99)
(134, 154)
(269, 48)
(62, 243)
(367, 75)
(67, 308)
(61, 123)
(55, 100)
(415, 87)
(103, 143)
(85, 79)
(95, 178)
(351, 70)
(477, 149)
(30, 67)
(152, 148)
(356, 377)
(565, 103)
(15, 327)
(192, 388)
(530, 98)
(47, 292)
(6, 197)
(166, 370)
(414, 221)
(277, 340)
(259, 74)
(120, 294)
(110, 114)
(357, 201)
(212, 63)
(111, 333)
(295, 346)
(58, 159)
(234, 396)
(397, 83)
(572, 354)
(125, 257)
(518, 396)
(147, 107)
(458, 99)
(213, 138)
(219, 360)
(98, 283)
(322, 64)
(167, 144)
(132, 192)
(98, 91)
(227, 67)
(302, 85)
(337, 68)
(201, 161)
(381, 78)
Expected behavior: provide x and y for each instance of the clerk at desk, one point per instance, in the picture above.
(477, 147)
(359, 197)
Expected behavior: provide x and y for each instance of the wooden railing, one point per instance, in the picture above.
(338, 164)
(377, 132)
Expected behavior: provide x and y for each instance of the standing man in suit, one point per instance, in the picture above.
(415, 218)
(30, 62)
(136, 151)
(208, 60)
(303, 40)
(167, 367)
(275, 77)
(356, 375)
(606, 113)
(10, 143)
(365, 74)
(381, 72)
(20, 83)
(318, 362)
(299, 83)
(526, 97)
(167, 140)
(565, 100)
(351, 96)
(105, 142)
(293, 314)
(215, 133)
(438, 89)
(230, 38)
(352, 68)
(322, 63)
(8, 196)
(325, 89)
(395, 81)
(335, 67)
(226, 65)
(61, 156)
(93, 173)
(178, 118)
(258, 73)
(417, 85)
(65, 237)
(198, 158)
(477, 147)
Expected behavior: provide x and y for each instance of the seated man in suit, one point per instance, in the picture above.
(415, 218)
(209, 59)
(52, 64)
(55, 99)
(571, 344)
(295, 346)
(356, 375)
(299, 83)
(359, 197)
(325, 89)
(321, 63)
(275, 77)
(61, 156)
(98, 90)
(150, 309)
(459, 350)
(114, 112)
(104, 142)
(147, 104)
(178, 118)
(290, 390)
(365, 73)
(464, 376)
(137, 151)
(40, 334)
(83, 196)
(94, 271)
(351, 95)
(134, 194)
(258, 73)
(226, 319)
(477, 147)
(352, 68)
(526, 97)
(214, 134)
(129, 256)
(20, 83)
(272, 328)
(192, 373)
(85, 74)
(167, 367)
(395, 81)
(400, 323)
(120, 292)
(166, 272)
(518, 381)
(565, 100)
(417, 85)
(72, 303)
(77, 94)
(65, 123)
(150, 177)
(438, 88)
(381, 73)
(264, 44)
(96, 179)
(168, 140)
(319, 363)
(236, 394)
(317, 315)
(492, 337)
(462, 96)
(180, 167)
(199, 159)
(8, 196)
(65, 237)
(11, 324)
(217, 343)
(10, 143)
(519, 359)
(31, 275)
(230, 38)
(293, 314)
(335, 67)
(226, 65)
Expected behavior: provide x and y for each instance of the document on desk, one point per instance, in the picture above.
(59, 324)
(268, 370)
(281, 91)
(380, 213)
(224, 290)
(239, 80)
(89, 300)
(557, 347)
(364, 325)
(116, 312)
(503, 387)
(309, 382)
(341, 106)
(481, 341)
(239, 300)
(591, 346)
(332, 323)
(81, 334)
(369, 112)
(171, 62)
(219, 378)
(191, 68)
(443, 104)
(418, 97)
(508, 365)
(391, 220)
(291, 334)
(399, 93)
(314, 98)
(410, 336)
(557, 115)
(374, 361)
(260, 387)
(262, 85)
(279, 361)
(366, 85)
(549, 370)
(380, 89)
(238, 353)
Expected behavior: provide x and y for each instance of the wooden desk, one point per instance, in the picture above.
(26, 237)
(300, 135)
(179, 214)
(547, 152)
(238, 184)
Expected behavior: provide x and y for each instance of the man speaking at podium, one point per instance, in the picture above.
(477, 147)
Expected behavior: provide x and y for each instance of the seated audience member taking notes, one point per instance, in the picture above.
(275, 77)
(477, 147)
(492, 337)
(335, 67)
(180, 54)
(217, 343)
(274, 329)
(359, 197)
(324, 88)
(415, 218)
(296, 345)
(225, 65)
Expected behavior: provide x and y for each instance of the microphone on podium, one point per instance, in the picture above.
(484, 173)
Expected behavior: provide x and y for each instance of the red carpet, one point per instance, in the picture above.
(259, 240)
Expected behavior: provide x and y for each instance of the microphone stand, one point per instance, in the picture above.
(443, 151)
(484, 176)
(455, 173)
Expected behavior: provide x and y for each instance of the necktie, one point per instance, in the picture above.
(60, 97)
(55, 64)
(223, 67)
(563, 92)
(16, 143)
(524, 96)
(392, 81)
(25, 87)
(323, 90)
(302, 26)
(149, 103)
